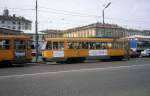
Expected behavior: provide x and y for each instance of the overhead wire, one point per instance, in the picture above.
(64, 12)
(71, 13)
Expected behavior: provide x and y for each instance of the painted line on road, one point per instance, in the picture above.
(67, 71)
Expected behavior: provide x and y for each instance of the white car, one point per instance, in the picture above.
(145, 53)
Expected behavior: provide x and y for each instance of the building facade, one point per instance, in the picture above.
(14, 23)
(131, 32)
(53, 33)
(146, 32)
(95, 30)
(4, 31)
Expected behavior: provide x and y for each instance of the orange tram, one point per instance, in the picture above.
(75, 50)
(15, 49)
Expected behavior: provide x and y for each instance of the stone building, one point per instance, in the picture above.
(92, 30)
(95, 30)
(53, 33)
(4, 31)
(13, 22)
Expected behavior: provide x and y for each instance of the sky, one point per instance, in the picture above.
(64, 14)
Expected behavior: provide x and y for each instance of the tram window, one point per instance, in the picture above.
(58, 45)
(30, 45)
(85, 45)
(19, 45)
(4, 44)
(80, 46)
(98, 45)
(49, 45)
(114, 45)
(109, 45)
(104, 45)
(55, 45)
(70, 45)
(117, 45)
(75, 45)
(89, 45)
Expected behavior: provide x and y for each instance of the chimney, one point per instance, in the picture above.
(14, 15)
(6, 12)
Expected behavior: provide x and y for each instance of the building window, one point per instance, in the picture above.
(8, 22)
(3, 26)
(3, 21)
(93, 33)
(19, 27)
(26, 26)
(14, 27)
(14, 22)
(8, 27)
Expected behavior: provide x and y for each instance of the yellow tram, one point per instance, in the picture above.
(14, 49)
(74, 50)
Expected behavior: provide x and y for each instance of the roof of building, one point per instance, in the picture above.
(33, 33)
(94, 25)
(10, 31)
(8, 17)
(14, 18)
(52, 31)
(82, 39)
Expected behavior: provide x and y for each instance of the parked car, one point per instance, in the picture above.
(134, 53)
(145, 53)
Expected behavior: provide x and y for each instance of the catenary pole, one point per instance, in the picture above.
(36, 31)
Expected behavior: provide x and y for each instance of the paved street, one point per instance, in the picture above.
(117, 78)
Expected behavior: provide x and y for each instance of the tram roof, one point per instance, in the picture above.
(82, 39)
(14, 36)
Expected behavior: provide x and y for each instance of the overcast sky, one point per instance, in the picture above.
(63, 14)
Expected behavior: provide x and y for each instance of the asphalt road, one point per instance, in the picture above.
(118, 78)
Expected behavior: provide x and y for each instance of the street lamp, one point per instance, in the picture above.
(104, 16)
